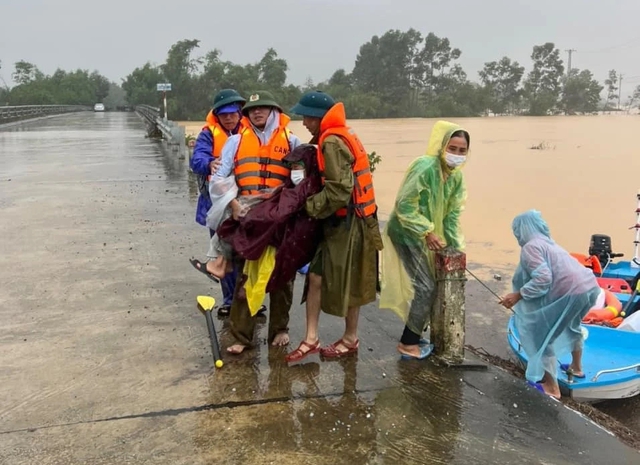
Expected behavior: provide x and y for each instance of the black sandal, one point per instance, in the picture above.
(202, 268)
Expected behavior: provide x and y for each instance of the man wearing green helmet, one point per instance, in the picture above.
(256, 157)
(343, 274)
(225, 119)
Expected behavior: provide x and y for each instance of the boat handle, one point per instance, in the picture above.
(615, 370)
(516, 339)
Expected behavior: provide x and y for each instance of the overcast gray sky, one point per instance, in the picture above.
(316, 37)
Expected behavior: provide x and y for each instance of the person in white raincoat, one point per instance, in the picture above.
(552, 292)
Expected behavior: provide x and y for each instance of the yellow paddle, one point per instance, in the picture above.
(205, 305)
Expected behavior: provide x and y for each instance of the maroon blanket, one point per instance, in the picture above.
(280, 221)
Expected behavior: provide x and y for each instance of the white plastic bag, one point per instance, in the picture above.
(221, 191)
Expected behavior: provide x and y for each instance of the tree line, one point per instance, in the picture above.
(80, 87)
(397, 74)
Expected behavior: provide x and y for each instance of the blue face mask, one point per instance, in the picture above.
(453, 161)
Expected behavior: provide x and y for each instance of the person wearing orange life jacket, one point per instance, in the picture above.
(224, 119)
(343, 274)
(255, 156)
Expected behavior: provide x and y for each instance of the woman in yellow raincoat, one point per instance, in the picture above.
(425, 218)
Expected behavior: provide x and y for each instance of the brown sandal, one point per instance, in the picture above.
(298, 354)
(331, 351)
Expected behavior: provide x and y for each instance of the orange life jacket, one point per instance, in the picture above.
(612, 310)
(363, 200)
(589, 262)
(259, 167)
(219, 134)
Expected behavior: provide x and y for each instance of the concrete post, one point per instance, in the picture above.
(448, 316)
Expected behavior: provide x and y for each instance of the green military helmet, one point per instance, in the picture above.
(225, 97)
(260, 98)
(314, 103)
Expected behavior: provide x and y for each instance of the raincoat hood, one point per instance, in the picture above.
(308, 155)
(529, 225)
(439, 140)
(272, 124)
(336, 117)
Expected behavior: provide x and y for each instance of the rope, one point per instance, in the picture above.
(486, 287)
(451, 279)
(477, 279)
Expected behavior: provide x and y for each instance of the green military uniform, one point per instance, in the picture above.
(347, 257)
(348, 254)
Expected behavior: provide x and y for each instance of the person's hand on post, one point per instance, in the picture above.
(434, 242)
(511, 299)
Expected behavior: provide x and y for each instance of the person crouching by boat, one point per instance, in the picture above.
(552, 292)
(425, 219)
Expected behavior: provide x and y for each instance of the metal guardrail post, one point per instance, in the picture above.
(158, 127)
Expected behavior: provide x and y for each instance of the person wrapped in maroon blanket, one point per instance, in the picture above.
(281, 221)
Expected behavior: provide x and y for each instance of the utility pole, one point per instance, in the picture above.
(569, 51)
(619, 91)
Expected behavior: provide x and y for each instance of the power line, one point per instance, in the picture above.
(612, 47)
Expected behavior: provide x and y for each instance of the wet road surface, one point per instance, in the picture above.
(105, 358)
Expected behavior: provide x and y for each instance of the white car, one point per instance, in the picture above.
(98, 107)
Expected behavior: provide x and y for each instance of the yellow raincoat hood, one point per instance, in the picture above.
(430, 199)
(439, 140)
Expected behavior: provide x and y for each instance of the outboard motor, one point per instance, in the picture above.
(600, 246)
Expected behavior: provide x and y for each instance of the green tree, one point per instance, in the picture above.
(339, 85)
(140, 86)
(432, 61)
(101, 86)
(67, 88)
(385, 67)
(4, 91)
(612, 89)
(212, 77)
(25, 73)
(581, 92)
(501, 81)
(116, 97)
(454, 95)
(181, 70)
(272, 70)
(544, 83)
(635, 98)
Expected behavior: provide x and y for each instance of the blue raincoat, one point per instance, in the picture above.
(557, 292)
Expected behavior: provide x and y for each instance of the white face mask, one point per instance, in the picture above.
(297, 176)
(453, 161)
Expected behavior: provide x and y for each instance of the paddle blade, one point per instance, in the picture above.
(205, 303)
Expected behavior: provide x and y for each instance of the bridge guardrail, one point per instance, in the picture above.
(9, 114)
(159, 127)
